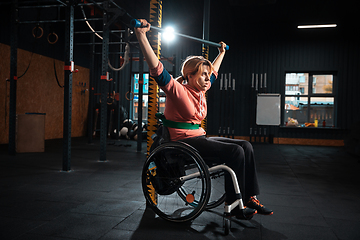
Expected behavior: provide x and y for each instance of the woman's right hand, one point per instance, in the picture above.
(145, 27)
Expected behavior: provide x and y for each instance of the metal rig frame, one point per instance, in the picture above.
(111, 13)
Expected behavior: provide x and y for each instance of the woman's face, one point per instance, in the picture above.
(201, 81)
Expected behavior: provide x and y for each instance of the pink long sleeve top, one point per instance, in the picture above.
(183, 103)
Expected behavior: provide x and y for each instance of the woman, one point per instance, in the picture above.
(186, 103)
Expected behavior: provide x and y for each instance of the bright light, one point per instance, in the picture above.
(318, 26)
(168, 34)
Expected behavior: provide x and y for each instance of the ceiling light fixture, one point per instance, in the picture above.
(318, 26)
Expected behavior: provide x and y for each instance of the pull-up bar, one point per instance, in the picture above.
(136, 23)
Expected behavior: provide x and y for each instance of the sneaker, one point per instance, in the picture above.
(255, 204)
(245, 214)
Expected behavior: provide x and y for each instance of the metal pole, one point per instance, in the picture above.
(206, 21)
(13, 78)
(69, 42)
(91, 93)
(140, 100)
(195, 39)
(58, 21)
(205, 48)
(136, 23)
(104, 85)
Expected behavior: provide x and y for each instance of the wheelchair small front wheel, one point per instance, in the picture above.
(172, 170)
(227, 225)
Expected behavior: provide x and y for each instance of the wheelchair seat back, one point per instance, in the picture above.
(161, 136)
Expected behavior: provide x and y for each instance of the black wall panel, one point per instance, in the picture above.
(315, 50)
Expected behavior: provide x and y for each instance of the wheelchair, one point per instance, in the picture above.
(178, 185)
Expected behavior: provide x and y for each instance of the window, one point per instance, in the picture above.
(134, 113)
(309, 97)
(145, 102)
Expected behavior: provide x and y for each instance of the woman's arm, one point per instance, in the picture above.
(217, 62)
(145, 46)
(161, 76)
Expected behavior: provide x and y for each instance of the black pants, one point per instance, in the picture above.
(236, 154)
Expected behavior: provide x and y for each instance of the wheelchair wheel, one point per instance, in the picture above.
(217, 195)
(217, 192)
(174, 176)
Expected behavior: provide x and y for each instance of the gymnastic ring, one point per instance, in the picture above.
(111, 100)
(126, 95)
(56, 38)
(33, 32)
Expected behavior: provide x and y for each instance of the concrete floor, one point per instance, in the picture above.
(314, 192)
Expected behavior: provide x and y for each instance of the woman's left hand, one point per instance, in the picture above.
(222, 48)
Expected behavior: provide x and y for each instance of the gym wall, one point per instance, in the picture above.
(333, 50)
(39, 92)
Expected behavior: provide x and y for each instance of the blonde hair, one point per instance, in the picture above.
(193, 65)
